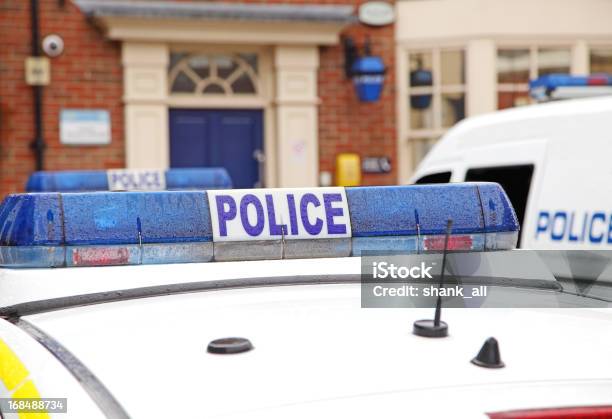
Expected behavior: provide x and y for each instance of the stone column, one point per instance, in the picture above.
(296, 115)
(580, 59)
(145, 69)
(481, 80)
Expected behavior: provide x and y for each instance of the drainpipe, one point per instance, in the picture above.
(38, 144)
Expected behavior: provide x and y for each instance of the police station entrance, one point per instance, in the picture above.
(220, 91)
(230, 138)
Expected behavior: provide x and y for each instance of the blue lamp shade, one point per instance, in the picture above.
(368, 78)
(420, 78)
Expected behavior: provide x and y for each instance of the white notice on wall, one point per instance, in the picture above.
(85, 127)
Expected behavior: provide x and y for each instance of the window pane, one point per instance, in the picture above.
(516, 181)
(453, 67)
(554, 60)
(601, 61)
(243, 84)
(453, 108)
(442, 177)
(175, 57)
(420, 69)
(511, 99)
(420, 148)
(225, 66)
(200, 64)
(213, 89)
(183, 84)
(513, 66)
(421, 118)
(251, 59)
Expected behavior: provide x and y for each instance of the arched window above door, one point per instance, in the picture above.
(214, 74)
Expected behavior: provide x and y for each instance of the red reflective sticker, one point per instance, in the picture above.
(597, 81)
(584, 412)
(98, 256)
(454, 243)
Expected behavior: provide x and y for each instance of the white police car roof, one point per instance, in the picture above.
(316, 351)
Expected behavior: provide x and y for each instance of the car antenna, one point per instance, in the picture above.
(436, 328)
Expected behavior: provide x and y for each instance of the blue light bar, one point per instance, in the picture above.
(126, 179)
(104, 228)
(560, 86)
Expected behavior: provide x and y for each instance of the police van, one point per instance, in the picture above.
(553, 160)
(250, 304)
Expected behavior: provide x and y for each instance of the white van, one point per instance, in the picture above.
(554, 160)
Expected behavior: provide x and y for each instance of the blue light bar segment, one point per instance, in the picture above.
(551, 81)
(97, 180)
(102, 228)
(133, 217)
(198, 178)
(544, 86)
(397, 210)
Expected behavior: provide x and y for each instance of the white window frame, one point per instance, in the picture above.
(417, 137)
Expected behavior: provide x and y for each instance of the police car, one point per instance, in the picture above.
(248, 303)
(551, 158)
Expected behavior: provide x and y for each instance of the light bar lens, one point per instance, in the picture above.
(547, 86)
(125, 179)
(105, 228)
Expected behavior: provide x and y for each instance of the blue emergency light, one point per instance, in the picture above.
(129, 179)
(368, 78)
(103, 228)
(564, 86)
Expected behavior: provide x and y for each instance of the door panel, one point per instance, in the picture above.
(225, 138)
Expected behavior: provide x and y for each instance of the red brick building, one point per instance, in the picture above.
(185, 83)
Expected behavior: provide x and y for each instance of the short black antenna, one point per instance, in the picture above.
(436, 328)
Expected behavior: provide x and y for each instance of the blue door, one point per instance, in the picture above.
(218, 138)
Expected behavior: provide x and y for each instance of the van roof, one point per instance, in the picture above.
(538, 111)
(516, 124)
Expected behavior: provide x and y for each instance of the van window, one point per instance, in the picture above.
(515, 180)
(442, 177)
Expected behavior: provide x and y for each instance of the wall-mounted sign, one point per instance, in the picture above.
(37, 71)
(376, 165)
(376, 13)
(85, 127)
(136, 180)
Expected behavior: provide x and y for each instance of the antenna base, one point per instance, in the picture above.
(428, 329)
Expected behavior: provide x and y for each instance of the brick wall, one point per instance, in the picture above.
(345, 123)
(88, 75)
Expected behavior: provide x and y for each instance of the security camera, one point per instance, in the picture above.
(53, 45)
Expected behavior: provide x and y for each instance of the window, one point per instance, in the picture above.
(436, 90)
(516, 66)
(442, 177)
(221, 74)
(516, 181)
(601, 60)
